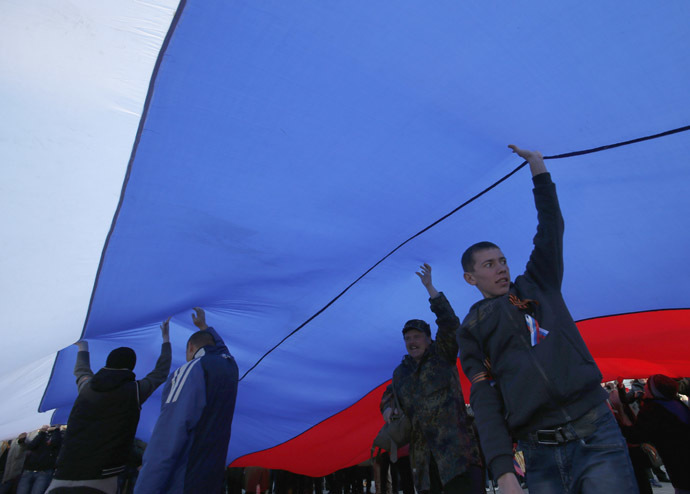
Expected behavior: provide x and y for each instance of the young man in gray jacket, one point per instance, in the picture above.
(532, 377)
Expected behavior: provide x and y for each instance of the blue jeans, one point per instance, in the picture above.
(597, 463)
(32, 482)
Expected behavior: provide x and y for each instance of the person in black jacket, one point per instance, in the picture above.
(532, 376)
(664, 421)
(104, 418)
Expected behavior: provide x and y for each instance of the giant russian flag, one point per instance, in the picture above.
(287, 166)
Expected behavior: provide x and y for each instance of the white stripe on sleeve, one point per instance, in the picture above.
(177, 387)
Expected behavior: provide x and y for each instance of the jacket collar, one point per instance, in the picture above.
(208, 350)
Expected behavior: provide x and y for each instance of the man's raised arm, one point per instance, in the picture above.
(82, 367)
(160, 373)
(446, 320)
(546, 260)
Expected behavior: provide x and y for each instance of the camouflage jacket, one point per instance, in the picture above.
(430, 395)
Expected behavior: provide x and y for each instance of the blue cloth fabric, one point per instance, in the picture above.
(598, 463)
(189, 442)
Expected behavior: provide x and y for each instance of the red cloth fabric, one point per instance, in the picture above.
(629, 345)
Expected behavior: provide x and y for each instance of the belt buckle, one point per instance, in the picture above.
(550, 437)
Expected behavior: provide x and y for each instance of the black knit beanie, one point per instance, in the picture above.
(121, 358)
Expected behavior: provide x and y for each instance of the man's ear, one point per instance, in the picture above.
(469, 278)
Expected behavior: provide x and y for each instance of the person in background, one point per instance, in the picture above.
(15, 463)
(625, 417)
(39, 464)
(5, 487)
(664, 421)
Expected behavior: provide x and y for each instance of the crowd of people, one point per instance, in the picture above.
(536, 394)
(28, 462)
(654, 417)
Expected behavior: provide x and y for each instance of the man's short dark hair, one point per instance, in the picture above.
(468, 256)
(201, 339)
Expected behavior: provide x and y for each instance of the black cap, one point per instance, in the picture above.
(418, 325)
(121, 358)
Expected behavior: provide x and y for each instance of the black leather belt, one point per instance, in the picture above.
(570, 431)
(559, 435)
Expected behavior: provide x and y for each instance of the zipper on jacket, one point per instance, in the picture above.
(545, 377)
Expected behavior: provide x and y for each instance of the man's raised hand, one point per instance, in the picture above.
(534, 158)
(165, 330)
(199, 318)
(425, 276)
(524, 153)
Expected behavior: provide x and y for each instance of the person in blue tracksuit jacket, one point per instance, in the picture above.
(189, 444)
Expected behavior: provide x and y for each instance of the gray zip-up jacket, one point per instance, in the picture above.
(518, 388)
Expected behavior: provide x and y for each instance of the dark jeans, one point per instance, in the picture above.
(598, 463)
(32, 482)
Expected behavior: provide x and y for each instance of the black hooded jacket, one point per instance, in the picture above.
(104, 418)
(101, 427)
